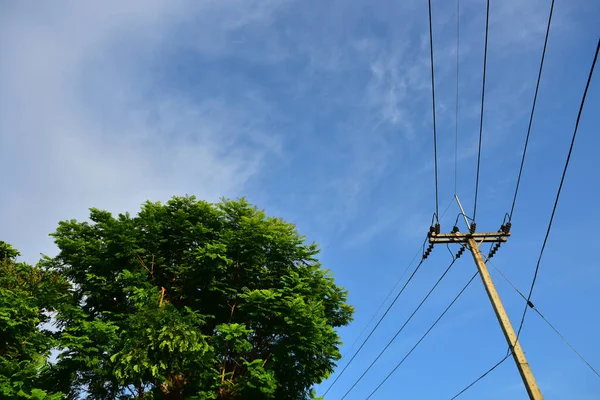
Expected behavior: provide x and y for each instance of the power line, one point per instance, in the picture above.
(482, 376)
(393, 288)
(537, 86)
(424, 335)
(375, 327)
(487, 18)
(435, 166)
(508, 354)
(419, 251)
(562, 179)
(532, 306)
(457, 78)
(401, 328)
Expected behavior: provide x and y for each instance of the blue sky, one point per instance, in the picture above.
(320, 112)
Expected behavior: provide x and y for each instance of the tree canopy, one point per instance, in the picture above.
(193, 300)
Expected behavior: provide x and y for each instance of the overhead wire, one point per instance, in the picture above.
(562, 180)
(509, 353)
(375, 327)
(534, 308)
(435, 164)
(436, 182)
(457, 87)
(401, 328)
(482, 376)
(537, 87)
(487, 19)
(424, 335)
(419, 250)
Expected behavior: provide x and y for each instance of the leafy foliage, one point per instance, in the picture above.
(27, 295)
(194, 300)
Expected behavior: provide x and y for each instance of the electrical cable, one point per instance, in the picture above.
(481, 376)
(457, 80)
(393, 288)
(532, 306)
(401, 328)
(537, 86)
(562, 180)
(509, 353)
(419, 251)
(375, 327)
(424, 335)
(487, 19)
(435, 165)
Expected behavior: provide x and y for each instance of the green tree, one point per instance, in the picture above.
(27, 297)
(194, 300)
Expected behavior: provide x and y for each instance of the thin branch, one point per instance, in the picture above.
(143, 264)
(266, 359)
(162, 296)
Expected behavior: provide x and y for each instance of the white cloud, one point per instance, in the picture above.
(81, 126)
(397, 87)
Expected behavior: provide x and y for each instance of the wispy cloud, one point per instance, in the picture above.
(84, 123)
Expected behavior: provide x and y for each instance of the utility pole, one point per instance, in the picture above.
(472, 240)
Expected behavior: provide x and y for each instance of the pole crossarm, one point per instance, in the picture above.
(458, 237)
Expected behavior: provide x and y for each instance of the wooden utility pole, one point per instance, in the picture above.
(472, 240)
